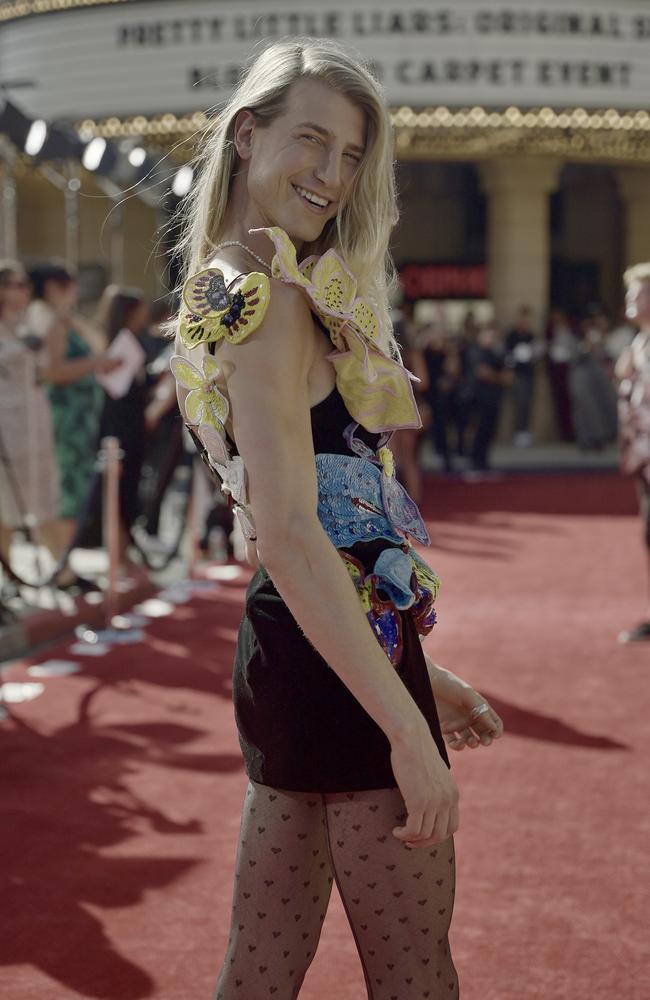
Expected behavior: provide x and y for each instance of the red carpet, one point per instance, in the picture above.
(122, 784)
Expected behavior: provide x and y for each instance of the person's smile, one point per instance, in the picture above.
(314, 202)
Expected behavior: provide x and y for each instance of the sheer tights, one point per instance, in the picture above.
(399, 900)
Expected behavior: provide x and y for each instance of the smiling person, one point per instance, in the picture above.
(289, 375)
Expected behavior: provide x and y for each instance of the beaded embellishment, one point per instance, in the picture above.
(358, 502)
(214, 314)
(400, 580)
(359, 497)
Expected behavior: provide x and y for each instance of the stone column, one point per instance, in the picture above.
(634, 189)
(518, 256)
(8, 200)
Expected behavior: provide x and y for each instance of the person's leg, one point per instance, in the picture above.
(527, 399)
(49, 535)
(522, 387)
(438, 431)
(169, 461)
(641, 632)
(460, 407)
(283, 882)
(480, 442)
(643, 493)
(56, 537)
(399, 900)
(6, 534)
(491, 421)
(405, 448)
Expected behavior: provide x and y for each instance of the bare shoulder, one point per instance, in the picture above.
(283, 345)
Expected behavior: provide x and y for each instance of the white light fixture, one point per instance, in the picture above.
(182, 181)
(36, 137)
(93, 153)
(137, 156)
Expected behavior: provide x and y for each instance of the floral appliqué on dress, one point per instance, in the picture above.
(376, 390)
(212, 313)
(207, 409)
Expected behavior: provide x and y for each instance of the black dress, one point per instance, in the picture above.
(300, 727)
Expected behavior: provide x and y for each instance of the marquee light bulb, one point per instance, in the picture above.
(137, 156)
(182, 181)
(36, 137)
(93, 153)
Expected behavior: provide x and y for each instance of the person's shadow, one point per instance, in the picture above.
(67, 799)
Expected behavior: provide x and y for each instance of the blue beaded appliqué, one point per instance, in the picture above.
(358, 502)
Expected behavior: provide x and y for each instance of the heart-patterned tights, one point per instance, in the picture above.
(399, 900)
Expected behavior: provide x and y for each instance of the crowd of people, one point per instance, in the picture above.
(67, 381)
(465, 373)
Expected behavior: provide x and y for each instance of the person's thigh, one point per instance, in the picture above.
(643, 493)
(399, 900)
(283, 882)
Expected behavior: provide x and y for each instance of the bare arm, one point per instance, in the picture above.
(444, 683)
(89, 331)
(624, 367)
(266, 378)
(59, 370)
(162, 400)
(455, 699)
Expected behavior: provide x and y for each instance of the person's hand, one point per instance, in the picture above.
(152, 415)
(104, 364)
(458, 728)
(430, 793)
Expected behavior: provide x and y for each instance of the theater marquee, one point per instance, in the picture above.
(131, 58)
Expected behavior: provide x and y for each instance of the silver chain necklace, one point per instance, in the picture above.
(236, 243)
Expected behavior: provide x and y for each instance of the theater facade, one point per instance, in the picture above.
(522, 131)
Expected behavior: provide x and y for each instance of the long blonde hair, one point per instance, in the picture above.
(367, 214)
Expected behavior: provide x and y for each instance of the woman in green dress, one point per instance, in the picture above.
(73, 359)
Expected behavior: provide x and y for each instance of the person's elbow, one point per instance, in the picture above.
(285, 538)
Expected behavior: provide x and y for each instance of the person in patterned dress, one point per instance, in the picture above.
(74, 357)
(288, 371)
(633, 376)
(29, 482)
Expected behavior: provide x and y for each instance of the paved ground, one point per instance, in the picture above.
(123, 783)
(556, 457)
(92, 563)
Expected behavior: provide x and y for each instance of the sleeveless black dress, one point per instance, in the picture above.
(300, 728)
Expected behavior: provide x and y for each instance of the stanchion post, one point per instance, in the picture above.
(111, 521)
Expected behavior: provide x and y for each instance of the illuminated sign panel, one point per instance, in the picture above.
(443, 281)
(147, 58)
